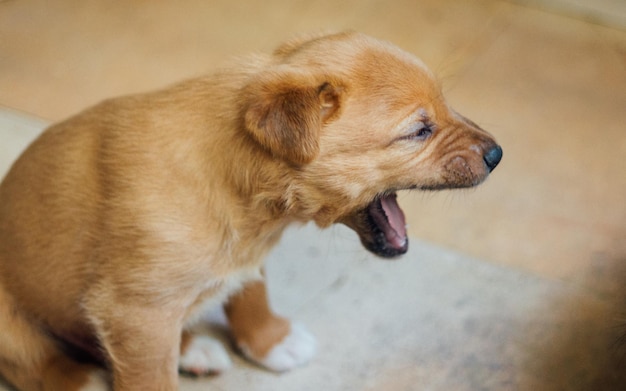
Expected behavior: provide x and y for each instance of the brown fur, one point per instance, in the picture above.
(118, 225)
(252, 322)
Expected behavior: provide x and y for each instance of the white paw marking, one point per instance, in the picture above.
(204, 356)
(97, 381)
(295, 350)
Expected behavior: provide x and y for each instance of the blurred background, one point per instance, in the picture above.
(547, 78)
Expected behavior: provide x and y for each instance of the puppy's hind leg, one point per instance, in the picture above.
(31, 361)
(142, 341)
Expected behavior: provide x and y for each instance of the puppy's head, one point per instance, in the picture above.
(357, 120)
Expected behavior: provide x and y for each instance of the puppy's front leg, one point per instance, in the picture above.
(264, 337)
(142, 344)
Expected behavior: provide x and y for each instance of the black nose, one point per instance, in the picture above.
(493, 157)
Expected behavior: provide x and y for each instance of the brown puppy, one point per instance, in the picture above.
(120, 226)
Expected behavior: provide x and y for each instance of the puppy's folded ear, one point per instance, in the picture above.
(286, 110)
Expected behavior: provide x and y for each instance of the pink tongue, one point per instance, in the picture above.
(397, 235)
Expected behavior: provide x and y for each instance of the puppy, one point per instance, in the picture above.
(120, 226)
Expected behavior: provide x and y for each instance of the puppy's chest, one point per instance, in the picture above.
(215, 293)
(223, 269)
(231, 273)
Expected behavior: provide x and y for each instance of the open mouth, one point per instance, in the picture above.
(381, 226)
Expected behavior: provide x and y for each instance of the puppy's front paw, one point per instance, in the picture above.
(204, 356)
(296, 349)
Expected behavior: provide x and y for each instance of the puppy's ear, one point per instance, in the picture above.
(286, 110)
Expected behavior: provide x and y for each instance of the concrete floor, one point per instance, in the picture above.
(517, 285)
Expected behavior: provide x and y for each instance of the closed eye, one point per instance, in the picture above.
(420, 132)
